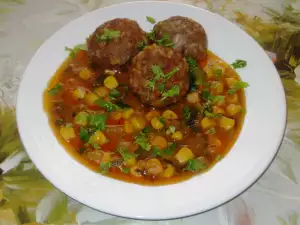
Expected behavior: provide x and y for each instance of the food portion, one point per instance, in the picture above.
(188, 36)
(158, 118)
(115, 42)
(159, 76)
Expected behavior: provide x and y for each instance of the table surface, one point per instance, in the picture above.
(26, 197)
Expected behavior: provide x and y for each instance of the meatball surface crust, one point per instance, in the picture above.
(115, 42)
(188, 36)
(159, 76)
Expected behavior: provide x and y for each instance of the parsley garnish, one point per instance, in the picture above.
(207, 96)
(150, 84)
(55, 89)
(104, 167)
(161, 87)
(108, 106)
(142, 139)
(195, 165)
(108, 35)
(166, 152)
(84, 135)
(151, 35)
(141, 45)
(114, 93)
(165, 41)
(126, 155)
(218, 72)
(158, 72)
(76, 49)
(192, 64)
(98, 121)
(150, 19)
(187, 113)
(239, 85)
(125, 170)
(239, 63)
(174, 91)
(170, 74)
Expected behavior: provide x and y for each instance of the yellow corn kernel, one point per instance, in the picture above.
(193, 97)
(67, 133)
(154, 167)
(177, 136)
(128, 113)
(218, 110)
(130, 162)
(102, 91)
(106, 157)
(209, 73)
(85, 74)
(184, 154)
(81, 118)
(111, 82)
(217, 88)
(98, 138)
(207, 123)
(90, 98)
(138, 123)
(156, 124)
(109, 72)
(170, 115)
(151, 114)
(169, 171)
(232, 99)
(79, 93)
(159, 142)
(128, 128)
(116, 115)
(227, 123)
(135, 171)
(231, 82)
(233, 109)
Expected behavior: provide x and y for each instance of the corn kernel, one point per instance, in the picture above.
(231, 82)
(81, 119)
(138, 123)
(232, 99)
(90, 98)
(130, 162)
(207, 123)
(128, 113)
(111, 82)
(184, 154)
(227, 123)
(156, 124)
(177, 136)
(233, 109)
(150, 115)
(79, 93)
(67, 133)
(85, 74)
(169, 171)
(154, 167)
(218, 110)
(128, 128)
(170, 115)
(193, 97)
(160, 142)
(217, 88)
(102, 91)
(98, 138)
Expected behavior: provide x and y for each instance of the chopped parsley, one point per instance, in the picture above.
(151, 35)
(125, 170)
(158, 72)
(104, 167)
(239, 85)
(195, 165)
(161, 87)
(55, 89)
(192, 63)
(126, 155)
(207, 96)
(165, 41)
(174, 91)
(187, 113)
(150, 19)
(108, 106)
(114, 93)
(142, 139)
(171, 73)
(150, 84)
(76, 49)
(218, 72)
(98, 121)
(108, 35)
(162, 119)
(141, 45)
(170, 130)
(239, 63)
(84, 134)
(165, 152)
(217, 98)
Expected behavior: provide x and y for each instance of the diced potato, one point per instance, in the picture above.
(193, 97)
(218, 110)
(217, 88)
(169, 171)
(128, 128)
(67, 133)
(183, 155)
(159, 142)
(127, 113)
(177, 136)
(138, 122)
(98, 138)
(233, 109)
(156, 123)
(102, 91)
(154, 167)
(85, 74)
(111, 82)
(231, 82)
(227, 123)
(116, 115)
(81, 118)
(170, 115)
(90, 98)
(151, 114)
(109, 72)
(207, 123)
(232, 99)
(79, 93)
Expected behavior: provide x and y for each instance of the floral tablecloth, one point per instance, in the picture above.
(28, 198)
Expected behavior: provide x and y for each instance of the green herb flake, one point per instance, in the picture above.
(217, 98)
(174, 91)
(150, 84)
(162, 119)
(126, 155)
(161, 87)
(55, 90)
(239, 63)
(156, 151)
(151, 35)
(192, 63)
(98, 121)
(141, 45)
(76, 49)
(114, 93)
(125, 170)
(238, 86)
(104, 167)
(108, 35)
(142, 140)
(158, 72)
(195, 165)
(170, 130)
(165, 41)
(171, 149)
(218, 72)
(108, 106)
(171, 73)
(206, 95)
(150, 19)
(84, 135)
(187, 113)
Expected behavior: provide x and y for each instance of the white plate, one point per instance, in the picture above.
(252, 153)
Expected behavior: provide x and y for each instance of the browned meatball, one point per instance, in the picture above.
(115, 42)
(158, 75)
(188, 36)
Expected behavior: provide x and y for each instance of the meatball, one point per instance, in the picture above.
(159, 76)
(188, 36)
(115, 42)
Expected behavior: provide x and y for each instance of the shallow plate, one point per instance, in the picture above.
(252, 153)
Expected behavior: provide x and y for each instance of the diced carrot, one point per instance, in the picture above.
(76, 143)
(128, 137)
(203, 63)
(81, 58)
